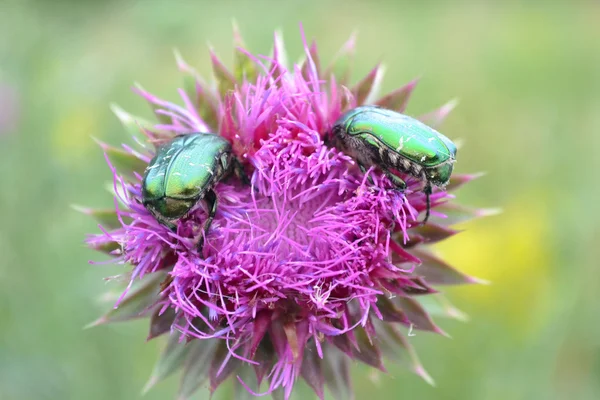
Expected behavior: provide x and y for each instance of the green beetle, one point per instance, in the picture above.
(184, 171)
(376, 136)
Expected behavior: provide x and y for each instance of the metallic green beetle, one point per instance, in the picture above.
(185, 171)
(375, 136)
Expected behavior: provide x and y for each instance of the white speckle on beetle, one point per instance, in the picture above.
(401, 145)
(423, 158)
(177, 174)
(431, 139)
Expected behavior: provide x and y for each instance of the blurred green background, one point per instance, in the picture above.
(528, 80)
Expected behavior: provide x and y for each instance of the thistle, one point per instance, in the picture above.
(312, 265)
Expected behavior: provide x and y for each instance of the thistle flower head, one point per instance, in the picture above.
(310, 266)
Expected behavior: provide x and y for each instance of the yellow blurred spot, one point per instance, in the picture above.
(512, 252)
(71, 137)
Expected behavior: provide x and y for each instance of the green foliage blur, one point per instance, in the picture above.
(528, 80)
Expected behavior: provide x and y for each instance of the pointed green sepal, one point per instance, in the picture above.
(336, 371)
(134, 125)
(436, 271)
(397, 347)
(244, 69)
(342, 63)
(218, 372)
(110, 248)
(108, 218)
(417, 315)
(436, 117)
(246, 374)
(225, 80)
(161, 323)
(456, 214)
(458, 180)
(152, 101)
(309, 69)
(368, 351)
(366, 86)
(311, 371)
(137, 303)
(171, 359)
(398, 99)
(427, 234)
(279, 55)
(202, 96)
(197, 366)
(438, 305)
(124, 162)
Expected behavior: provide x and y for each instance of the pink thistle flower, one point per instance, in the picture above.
(311, 266)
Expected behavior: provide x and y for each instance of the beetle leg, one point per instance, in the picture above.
(427, 191)
(211, 200)
(363, 169)
(238, 170)
(396, 180)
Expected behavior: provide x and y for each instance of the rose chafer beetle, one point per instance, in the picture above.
(376, 136)
(184, 171)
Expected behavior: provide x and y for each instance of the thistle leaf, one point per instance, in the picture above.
(436, 271)
(398, 99)
(137, 303)
(197, 366)
(170, 360)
